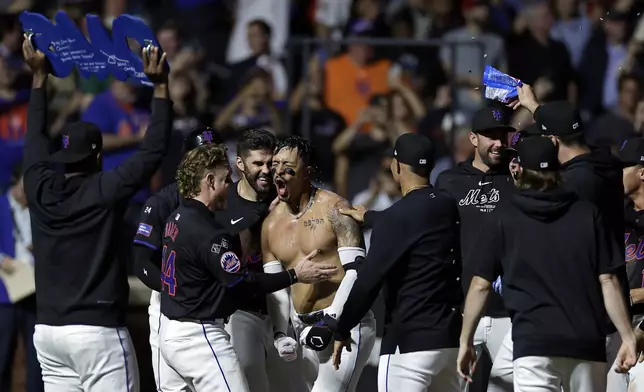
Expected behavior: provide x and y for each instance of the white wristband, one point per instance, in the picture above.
(348, 254)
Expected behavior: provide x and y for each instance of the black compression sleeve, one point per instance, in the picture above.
(147, 270)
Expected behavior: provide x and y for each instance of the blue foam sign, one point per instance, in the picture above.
(66, 47)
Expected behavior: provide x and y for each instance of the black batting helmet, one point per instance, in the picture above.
(200, 136)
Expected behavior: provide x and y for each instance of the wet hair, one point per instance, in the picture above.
(254, 139)
(194, 166)
(302, 145)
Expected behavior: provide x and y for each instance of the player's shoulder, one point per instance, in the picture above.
(331, 199)
(167, 198)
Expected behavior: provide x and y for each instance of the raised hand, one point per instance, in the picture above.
(34, 58)
(154, 65)
(308, 271)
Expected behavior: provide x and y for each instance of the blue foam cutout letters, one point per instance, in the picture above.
(66, 47)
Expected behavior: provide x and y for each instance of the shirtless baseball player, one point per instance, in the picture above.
(307, 219)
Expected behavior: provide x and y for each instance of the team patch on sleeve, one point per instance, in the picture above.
(230, 262)
(144, 229)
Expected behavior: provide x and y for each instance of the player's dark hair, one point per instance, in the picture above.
(539, 180)
(254, 139)
(576, 139)
(263, 25)
(302, 145)
(194, 166)
(421, 171)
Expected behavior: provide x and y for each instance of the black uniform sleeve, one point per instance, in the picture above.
(488, 247)
(388, 244)
(226, 266)
(370, 218)
(36, 151)
(584, 184)
(148, 242)
(610, 260)
(124, 181)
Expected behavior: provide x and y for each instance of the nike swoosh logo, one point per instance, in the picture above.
(484, 183)
(232, 222)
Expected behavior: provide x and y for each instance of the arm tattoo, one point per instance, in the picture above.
(345, 228)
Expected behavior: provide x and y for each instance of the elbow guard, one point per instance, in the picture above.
(351, 257)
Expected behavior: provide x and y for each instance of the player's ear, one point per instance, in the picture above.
(210, 180)
(474, 139)
(640, 173)
(240, 163)
(309, 171)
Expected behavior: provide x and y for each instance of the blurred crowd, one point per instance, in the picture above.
(351, 75)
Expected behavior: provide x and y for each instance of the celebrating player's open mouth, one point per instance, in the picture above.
(280, 184)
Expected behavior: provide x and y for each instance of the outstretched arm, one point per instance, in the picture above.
(351, 251)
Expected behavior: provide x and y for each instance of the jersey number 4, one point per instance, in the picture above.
(167, 272)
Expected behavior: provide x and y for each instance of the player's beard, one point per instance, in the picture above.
(261, 187)
(492, 156)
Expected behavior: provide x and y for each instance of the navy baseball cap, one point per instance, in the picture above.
(631, 152)
(78, 141)
(558, 118)
(490, 119)
(537, 153)
(415, 150)
(200, 136)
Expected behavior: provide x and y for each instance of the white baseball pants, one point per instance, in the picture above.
(165, 378)
(501, 375)
(635, 379)
(556, 374)
(422, 371)
(317, 366)
(490, 333)
(202, 355)
(252, 338)
(85, 358)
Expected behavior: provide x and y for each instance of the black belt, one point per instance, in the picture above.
(312, 318)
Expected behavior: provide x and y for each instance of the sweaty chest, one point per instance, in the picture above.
(294, 238)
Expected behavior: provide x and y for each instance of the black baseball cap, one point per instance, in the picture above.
(490, 119)
(200, 136)
(537, 153)
(558, 118)
(631, 152)
(78, 141)
(415, 150)
(530, 130)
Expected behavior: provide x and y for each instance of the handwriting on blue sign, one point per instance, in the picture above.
(66, 47)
